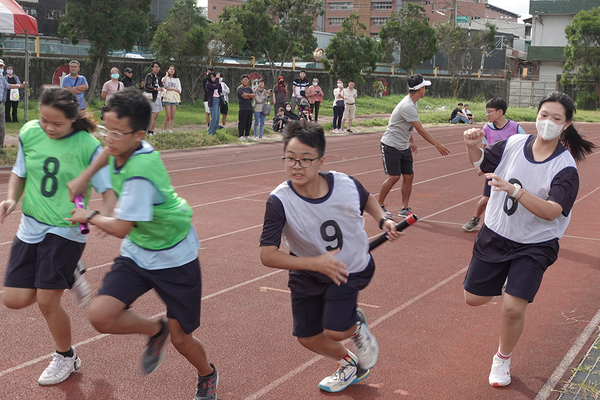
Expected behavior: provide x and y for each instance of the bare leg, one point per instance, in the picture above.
(387, 185)
(328, 343)
(406, 189)
(153, 121)
(108, 315)
(513, 322)
(349, 123)
(56, 317)
(474, 300)
(207, 118)
(167, 117)
(481, 205)
(172, 121)
(224, 119)
(189, 347)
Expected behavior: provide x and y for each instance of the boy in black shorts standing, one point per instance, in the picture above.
(159, 249)
(318, 215)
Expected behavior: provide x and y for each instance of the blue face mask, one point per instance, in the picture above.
(1, 70)
(114, 76)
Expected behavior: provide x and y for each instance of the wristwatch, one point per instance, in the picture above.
(382, 221)
(516, 192)
(91, 214)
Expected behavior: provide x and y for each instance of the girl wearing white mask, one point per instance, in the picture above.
(534, 184)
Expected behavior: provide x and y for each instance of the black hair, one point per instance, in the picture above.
(130, 103)
(351, 81)
(459, 104)
(212, 73)
(414, 80)
(497, 103)
(244, 76)
(570, 138)
(174, 71)
(308, 133)
(62, 99)
(154, 62)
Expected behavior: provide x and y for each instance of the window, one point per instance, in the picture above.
(382, 5)
(378, 21)
(375, 35)
(345, 5)
(335, 21)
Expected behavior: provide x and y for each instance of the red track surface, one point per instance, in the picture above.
(433, 346)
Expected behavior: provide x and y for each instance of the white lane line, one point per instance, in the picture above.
(581, 340)
(302, 367)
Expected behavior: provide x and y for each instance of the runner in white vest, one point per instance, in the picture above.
(535, 183)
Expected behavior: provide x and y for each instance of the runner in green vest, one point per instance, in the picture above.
(159, 249)
(45, 253)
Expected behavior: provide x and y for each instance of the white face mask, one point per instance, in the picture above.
(547, 129)
(315, 83)
(340, 85)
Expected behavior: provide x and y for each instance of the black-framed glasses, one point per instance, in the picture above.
(304, 162)
(104, 132)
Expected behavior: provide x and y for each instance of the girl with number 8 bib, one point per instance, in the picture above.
(52, 151)
(534, 184)
(318, 215)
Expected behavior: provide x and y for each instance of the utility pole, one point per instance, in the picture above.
(453, 13)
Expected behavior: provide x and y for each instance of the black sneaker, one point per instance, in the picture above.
(156, 349)
(207, 386)
(348, 130)
(389, 214)
(404, 213)
(472, 224)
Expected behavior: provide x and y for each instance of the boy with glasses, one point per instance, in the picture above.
(497, 128)
(159, 249)
(318, 215)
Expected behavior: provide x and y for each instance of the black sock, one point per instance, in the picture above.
(66, 353)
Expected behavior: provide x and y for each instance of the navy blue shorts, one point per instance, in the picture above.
(333, 309)
(487, 189)
(48, 264)
(180, 288)
(396, 162)
(486, 279)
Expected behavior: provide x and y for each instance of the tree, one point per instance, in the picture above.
(109, 25)
(225, 38)
(583, 52)
(459, 48)
(181, 40)
(276, 29)
(351, 51)
(407, 33)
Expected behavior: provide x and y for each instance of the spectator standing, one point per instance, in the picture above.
(224, 105)
(300, 86)
(458, 116)
(128, 79)
(153, 87)
(261, 96)
(338, 107)
(213, 89)
(398, 146)
(171, 97)
(76, 83)
(350, 94)
(4, 87)
(280, 93)
(315, 97)
(206, 108)
(245, 96)
(12, 100)
(113, 85)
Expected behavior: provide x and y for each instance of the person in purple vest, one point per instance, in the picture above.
(497, 128)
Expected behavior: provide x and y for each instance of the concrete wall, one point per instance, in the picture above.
(549, 30)
(525, 93)
(42, 70)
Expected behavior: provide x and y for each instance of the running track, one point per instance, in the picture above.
(433, 346)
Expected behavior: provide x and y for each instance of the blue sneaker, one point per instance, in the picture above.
(347, 374)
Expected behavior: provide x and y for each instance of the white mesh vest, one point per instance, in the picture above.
(315, 227)
(511, 220)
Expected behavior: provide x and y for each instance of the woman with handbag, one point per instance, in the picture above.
(213, 94)
(153, 88)
(171, 97)
(338, 106)
(261, 106)
(110, 87)
(12, 96)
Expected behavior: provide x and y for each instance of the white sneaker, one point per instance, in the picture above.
(59, 369)
(81, 290)
(500, 374)
(346, 375)
(365, 344)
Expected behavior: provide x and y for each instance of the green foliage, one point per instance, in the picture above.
(407, 33)
(583, 52)
(181, 40)
(351, 51)
(225, 38)
(109, 25)
(276, 29)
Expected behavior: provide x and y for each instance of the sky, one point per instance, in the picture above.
(516, 6)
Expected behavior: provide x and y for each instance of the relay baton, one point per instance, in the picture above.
(410, 220)
(79, 203)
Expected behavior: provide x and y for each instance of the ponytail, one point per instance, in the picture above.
(576, 144)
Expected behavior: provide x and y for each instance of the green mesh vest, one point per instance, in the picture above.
(171, 221)
(50, 164)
